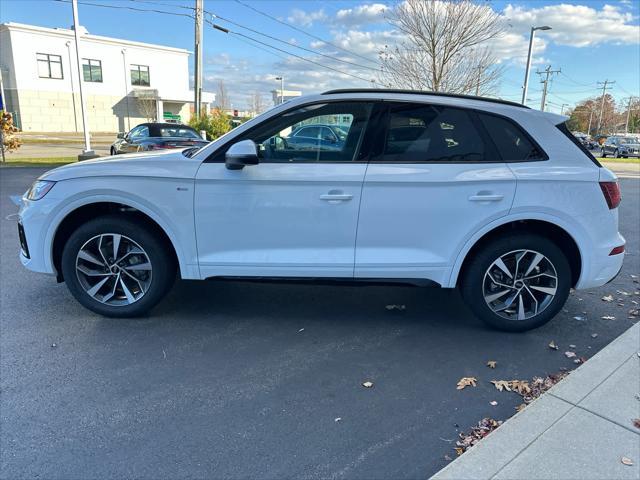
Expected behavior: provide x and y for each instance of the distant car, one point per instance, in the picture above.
(311, 137)
(619, 146)
(157, 136)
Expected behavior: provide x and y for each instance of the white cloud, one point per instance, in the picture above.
(577, 25)
(306, 19)
(362, 14)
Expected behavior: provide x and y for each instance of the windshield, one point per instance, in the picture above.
(179, 132)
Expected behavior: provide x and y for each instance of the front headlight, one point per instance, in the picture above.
(39, 189)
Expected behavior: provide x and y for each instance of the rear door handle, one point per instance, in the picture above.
(486, 198)
(336, 197)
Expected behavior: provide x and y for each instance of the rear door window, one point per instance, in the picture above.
(431, 133)
(512, 142)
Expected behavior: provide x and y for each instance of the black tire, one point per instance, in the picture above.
(616, 154)
(603, 154)
(163, 265)
(472, 282)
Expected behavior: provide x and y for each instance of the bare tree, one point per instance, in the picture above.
(146, 101)
(222, 97)
(445, 47)
(256, 102)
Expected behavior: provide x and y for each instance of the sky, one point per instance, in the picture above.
(590, 41)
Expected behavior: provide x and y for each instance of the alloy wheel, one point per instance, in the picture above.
(113, 269)
(520, 284)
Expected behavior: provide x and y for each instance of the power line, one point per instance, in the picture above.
(576, 82)
(238, 34)
(315, 52)
(275, 19)
(124, 7)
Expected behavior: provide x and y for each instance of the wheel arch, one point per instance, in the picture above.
(80, 213)
(554, 229)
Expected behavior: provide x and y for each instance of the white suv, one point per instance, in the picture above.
(485, 195)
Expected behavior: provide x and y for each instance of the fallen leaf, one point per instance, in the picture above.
(466, 382)
(367, 384)
(578, 318)
(607, 298)
(459, 451)
(572, 346)
(502, 385)
(491, 364)
(636, 422)
(594, 335)
(626, 461)
(395, 307)
(301, 330)
(553, 345)
(447, 458)
(493, 402)
(53, 345)
(521, 407)
(569, 354)
(608, 317)
(634, 312)
(337, 419)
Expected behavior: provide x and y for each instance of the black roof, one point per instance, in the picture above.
(422, 92)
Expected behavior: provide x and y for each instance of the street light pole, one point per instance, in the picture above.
(87, 152)
(525, 87)
(197, 83)
(281, 78)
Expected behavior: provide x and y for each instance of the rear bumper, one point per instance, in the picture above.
(602, 267)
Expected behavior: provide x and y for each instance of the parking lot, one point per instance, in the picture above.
(240, 379)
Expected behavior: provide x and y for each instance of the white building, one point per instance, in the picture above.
(124, 82)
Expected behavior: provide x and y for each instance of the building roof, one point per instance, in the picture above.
(69, 33)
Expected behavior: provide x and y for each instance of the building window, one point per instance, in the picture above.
(92, 70)
(49, 66)
(140, 75)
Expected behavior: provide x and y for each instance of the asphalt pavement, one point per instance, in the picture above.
(247, 380)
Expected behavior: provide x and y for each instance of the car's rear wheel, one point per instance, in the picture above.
(603, 154)
(517, 283)
(617, 154)
(117, 267)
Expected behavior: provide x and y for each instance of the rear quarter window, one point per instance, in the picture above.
(512, 142)
(565, 130)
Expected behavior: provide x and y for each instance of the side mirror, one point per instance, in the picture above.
(240, 154)
(120, 135)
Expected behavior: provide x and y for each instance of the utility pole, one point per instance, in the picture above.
(87, 152)
(604, 91)
(197, 70)
(590, 118)
(562, 108)
(626, 125)
(547, 72)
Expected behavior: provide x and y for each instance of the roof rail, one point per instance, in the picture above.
(421, 92)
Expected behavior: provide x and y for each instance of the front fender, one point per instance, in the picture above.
(178, 234)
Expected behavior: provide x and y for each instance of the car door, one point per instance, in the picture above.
(609, 146)
(295, 213)
(133, 139)
(434, 179)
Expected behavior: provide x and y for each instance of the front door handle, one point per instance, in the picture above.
(486, 198)
(336, 196)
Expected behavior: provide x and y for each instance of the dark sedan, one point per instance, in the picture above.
(621, 146)
(157, 136)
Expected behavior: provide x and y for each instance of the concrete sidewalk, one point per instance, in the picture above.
(580, 429)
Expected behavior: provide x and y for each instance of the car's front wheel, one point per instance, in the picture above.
(517, 283)
(113, 151)
(603, 154)
(117, 267)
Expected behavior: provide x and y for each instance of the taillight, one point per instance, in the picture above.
(617, 250)
(611, 192)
